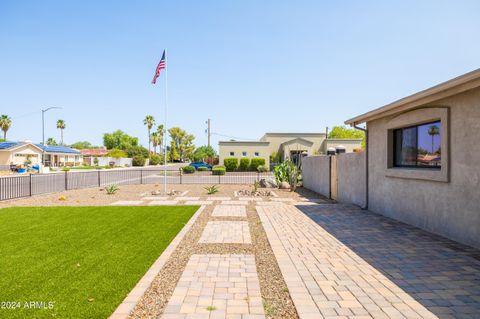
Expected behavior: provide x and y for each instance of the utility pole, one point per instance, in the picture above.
(208, 131)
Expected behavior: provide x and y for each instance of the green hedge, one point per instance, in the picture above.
(256, 162)
(155, 159)
(231, 164)
(138, 160)
(188, 169)
(202, 169)
(218, 170)
(244, 164)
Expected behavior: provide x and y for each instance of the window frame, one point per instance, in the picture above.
(256, 154)
(232, 153)
(416, 126)
(244, 154)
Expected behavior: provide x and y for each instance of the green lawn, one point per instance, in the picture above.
(84, 259)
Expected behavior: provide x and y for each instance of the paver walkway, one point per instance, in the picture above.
(226, 232)
(217, 286)
(357, 264)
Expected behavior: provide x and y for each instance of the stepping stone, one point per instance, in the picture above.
(198, 202)
(163, 202)
(187, 198)
(219, 198)
(155, 198)
(228, 285)
(127, 203)
(229, 211)
(257, 199)
(234, 202)
(226, 232)
(280, 199)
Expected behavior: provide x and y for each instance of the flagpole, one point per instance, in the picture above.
(165, 125)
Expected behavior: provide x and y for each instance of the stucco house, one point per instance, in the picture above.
(55, 156)
(284, 145)
(423, 159)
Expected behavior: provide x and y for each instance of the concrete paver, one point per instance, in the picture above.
(226, 232)
(229, 211)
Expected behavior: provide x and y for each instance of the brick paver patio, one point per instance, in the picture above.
(226, 232)
(343, 261)
(217, 286)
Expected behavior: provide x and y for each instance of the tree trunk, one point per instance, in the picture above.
(5, 136)
(61, 133)
(149, 150)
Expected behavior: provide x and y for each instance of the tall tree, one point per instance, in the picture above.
(183, 142)
(51, 141)
(149, 121)
(5, 124)
(345, 132)
(173, 152)
(432, 131)
(155, 138)
(61, 126)
(161, 135)
(119, 139)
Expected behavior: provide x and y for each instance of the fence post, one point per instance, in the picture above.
(141, 176)
(66, 180)
(219, 180)
(180, 175)
(30, 184)
(98, 173)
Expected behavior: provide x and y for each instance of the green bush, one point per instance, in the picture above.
(218, 170)
(244, 164)
(138, 160)
(256, 162)
(188, 169)
(137, 150)
(155, 159)
(262, 169)
(202, 169)
(116, 153)
(231, 164)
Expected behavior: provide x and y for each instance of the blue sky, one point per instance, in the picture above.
(250, 66)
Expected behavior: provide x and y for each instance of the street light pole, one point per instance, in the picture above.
(43, 131)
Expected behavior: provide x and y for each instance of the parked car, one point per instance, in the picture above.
(200, 164)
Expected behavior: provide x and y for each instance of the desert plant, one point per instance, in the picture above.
(111, 189)
(202, 169)
(211, 189)
(188, 169)
(138, 160)
(95, 161)
(262, 169)
(62, 198)
(256, 162)
(287, 172)
(244, 164)
(218, 170)
(256, 185)
(231, 164)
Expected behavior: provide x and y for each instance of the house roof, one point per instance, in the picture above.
(94, 151)
(297, 140)
(8, 146)
(451, 87)
(258, 143)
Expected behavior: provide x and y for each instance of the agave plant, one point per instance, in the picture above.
(212, 189)
(111, 189)
(287, 172)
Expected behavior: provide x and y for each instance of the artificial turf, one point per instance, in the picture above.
(83, 259)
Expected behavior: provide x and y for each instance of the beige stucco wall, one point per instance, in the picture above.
(238, 147)
(351, 178)
(316, 174)
(450, 208)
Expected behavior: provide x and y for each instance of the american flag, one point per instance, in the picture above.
(161, 65)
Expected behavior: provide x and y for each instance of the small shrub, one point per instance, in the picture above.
(65, 169)
(111, 189)
(218, 170)
(116, 153)
(212, 189)
(231, 164)
(62, 198)
(256, 185)
(262, 169)
(211, 308)
(202, 169)
(244, 164)
(188, 169)
(138, 160)
(256, 162)
(155, 159)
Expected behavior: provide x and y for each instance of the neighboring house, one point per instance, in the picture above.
(18, 152)
(423, 159)
(285, 145)
(89, 154)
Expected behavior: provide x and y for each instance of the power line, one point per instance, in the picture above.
(234, 137)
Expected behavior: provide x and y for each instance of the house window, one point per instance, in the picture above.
(232, 153)
(418, 146)
(257, 154)
(244, 154)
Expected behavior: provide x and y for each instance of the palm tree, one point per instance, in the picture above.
(155, 138)
(432, 131)
(161, 132)
(5, 123)
(149, 121)
(61, 126)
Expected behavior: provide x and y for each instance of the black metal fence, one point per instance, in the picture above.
(28, 185)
